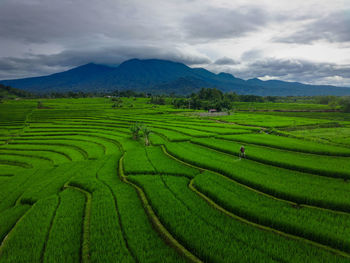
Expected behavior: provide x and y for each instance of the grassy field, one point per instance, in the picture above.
(77, 187)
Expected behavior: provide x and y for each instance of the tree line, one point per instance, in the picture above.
(206, 98)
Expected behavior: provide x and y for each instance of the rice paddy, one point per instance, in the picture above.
(76, 187)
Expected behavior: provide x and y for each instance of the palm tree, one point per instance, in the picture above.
(135, 128)
(146, 132)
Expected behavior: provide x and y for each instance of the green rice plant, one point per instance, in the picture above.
(10, 217)
(4, 178)
(157, 139)
(333, 135)
(163, 164)
(216, 237)
(43, 130)
(26, 241)
(303, 162)
(9, 170)
(106, 239)
(322, 226)
(55, 144)
(171, 135)
(295, 186)
(88, 148)
(52, 183)
(25, 161)
(106, 242)
(67, 151)
(288, 143)
(65, 237)
(14, 188)
(136, 162)
(143, 241)
(54, 157)
(93, 124)
(208, 129)
(269, 121)
(285, 106)
(101, 216)
(218, 129)
(183, 130)
(19, 112)
(107, 146)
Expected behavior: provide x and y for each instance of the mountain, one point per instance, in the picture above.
(162, 76)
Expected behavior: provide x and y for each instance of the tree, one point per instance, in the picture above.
(146, 132)
(345, 103)
(271, 98)
(135, 129)
(40, 105)
(160, 100)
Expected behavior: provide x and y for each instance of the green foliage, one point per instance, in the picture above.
(40, 105)
(312, 223)
(135, 129)
(146, 132)
(27, 240)
(214, 236)
(164, 164)
(288, 143)
(66, 232)
(137, 162)
(290, 185)
(143, 241)
(332, 166)
(7, 92)
(345, 103)
(160, 100)
(75, 187)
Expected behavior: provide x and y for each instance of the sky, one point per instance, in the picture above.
(299, 40)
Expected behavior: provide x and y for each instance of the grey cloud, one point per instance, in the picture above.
(40, 37)
(38, 21)
(224, 23)
(36, 65)
(25, 67)
(253, 54)
(334, 27)
(294, 70)
(226, 61)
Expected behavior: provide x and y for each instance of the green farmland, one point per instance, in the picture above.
(75, 186)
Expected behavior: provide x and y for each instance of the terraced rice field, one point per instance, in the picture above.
(75, 186)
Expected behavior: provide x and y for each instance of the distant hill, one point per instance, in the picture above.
(8, 92)
(162, 76)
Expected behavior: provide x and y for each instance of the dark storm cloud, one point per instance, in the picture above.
(217, 23)
(334, 27)
(226, 61)
(87, 23)
(46, 64)
(39, 22)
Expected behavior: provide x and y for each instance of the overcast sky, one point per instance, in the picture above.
(299, 40)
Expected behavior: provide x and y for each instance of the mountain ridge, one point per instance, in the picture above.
(162, 76)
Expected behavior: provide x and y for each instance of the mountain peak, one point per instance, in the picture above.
(226, 75)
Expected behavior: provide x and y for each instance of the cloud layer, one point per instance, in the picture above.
(306, 41)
